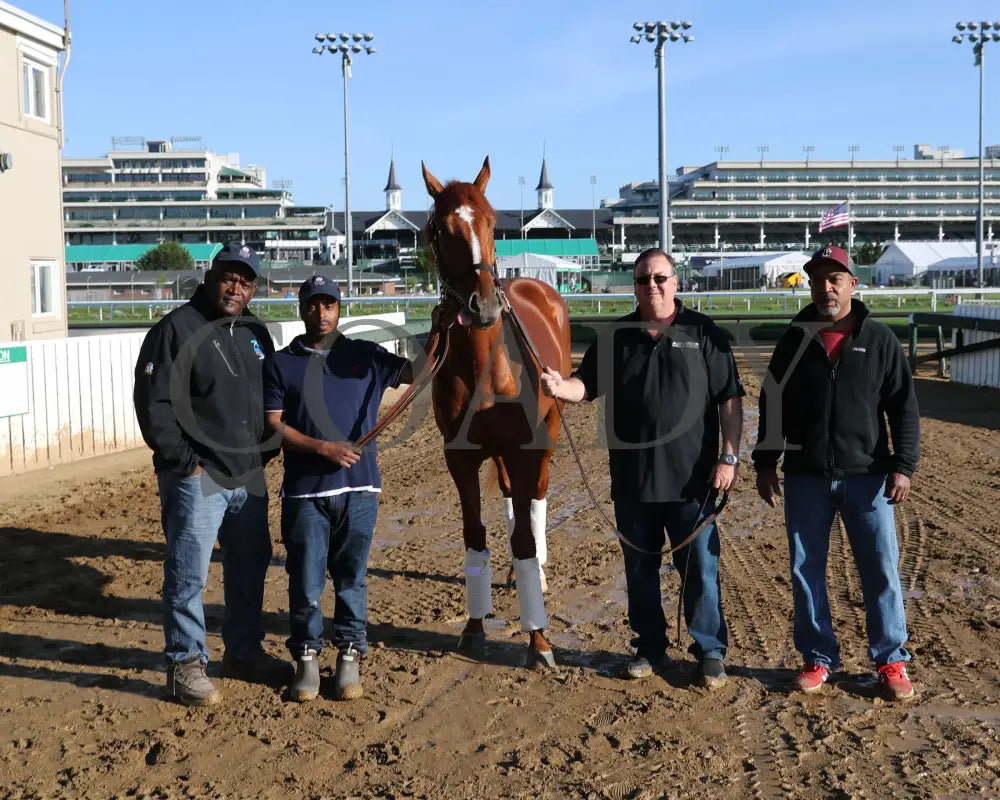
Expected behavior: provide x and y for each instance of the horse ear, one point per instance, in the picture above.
(484, 176)
(434, 187)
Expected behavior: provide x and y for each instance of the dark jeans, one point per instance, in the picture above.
(195, 511)
(644, 524)
(335, 534)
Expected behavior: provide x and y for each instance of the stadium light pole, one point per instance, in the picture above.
(593, 206)
(346, 44)
(897, 149)
(808, 149)
(763, 149)
(853, 149)
(520, 185)
(660, 33)
(988, 32)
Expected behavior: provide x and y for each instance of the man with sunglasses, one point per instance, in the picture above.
(198, 400)
(670, 379)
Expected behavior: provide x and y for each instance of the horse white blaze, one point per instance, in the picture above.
(466, 214)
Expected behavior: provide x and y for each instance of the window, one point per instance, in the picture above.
(35, 85)
(43, 290)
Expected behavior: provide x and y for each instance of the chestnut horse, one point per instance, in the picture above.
(488, 403)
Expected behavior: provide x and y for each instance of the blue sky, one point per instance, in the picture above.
(454, 81)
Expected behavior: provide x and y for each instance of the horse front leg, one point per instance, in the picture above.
(464, 468)
(528, 513)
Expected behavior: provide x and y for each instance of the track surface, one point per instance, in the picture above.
(82, 712)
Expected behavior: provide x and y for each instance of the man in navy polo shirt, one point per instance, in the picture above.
(321, 394)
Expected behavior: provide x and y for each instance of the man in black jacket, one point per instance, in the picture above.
(835, 378)
(198, 401)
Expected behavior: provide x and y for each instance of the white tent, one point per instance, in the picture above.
(908, 260)
(534, 265)
(771, 266)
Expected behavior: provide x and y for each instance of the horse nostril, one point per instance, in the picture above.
(474, 304)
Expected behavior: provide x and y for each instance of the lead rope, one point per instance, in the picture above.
(699, 527)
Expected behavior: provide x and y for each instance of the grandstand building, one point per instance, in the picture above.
(193, 196)
(777, 205)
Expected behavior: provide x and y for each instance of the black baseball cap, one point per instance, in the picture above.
(319, 284)
(236, 253)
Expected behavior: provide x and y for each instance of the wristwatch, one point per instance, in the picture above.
(729, 458)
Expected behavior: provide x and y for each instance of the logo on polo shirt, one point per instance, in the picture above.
(256, 348)
(859, 350)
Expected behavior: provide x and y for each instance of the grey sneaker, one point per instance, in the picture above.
(347, 683)
(711, 673)
(305, 685)
(188, 683)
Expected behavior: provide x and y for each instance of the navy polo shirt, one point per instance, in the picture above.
(334, 397)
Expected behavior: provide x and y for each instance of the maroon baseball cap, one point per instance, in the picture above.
(834, 256)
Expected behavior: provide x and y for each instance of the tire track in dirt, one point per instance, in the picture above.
(775, 752)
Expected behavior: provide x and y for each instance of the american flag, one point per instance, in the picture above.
(835, 217)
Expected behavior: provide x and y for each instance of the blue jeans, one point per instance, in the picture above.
(644, 524)
(195, 511)
(335, 534)
(869, 520)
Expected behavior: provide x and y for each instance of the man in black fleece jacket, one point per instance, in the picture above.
(198, 400)
(835, 379)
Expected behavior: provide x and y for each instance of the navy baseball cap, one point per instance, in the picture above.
(319, 284)
(236, 253)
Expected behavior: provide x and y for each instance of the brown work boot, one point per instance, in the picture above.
(188, 683)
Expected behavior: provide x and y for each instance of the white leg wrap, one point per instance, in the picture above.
(478, 581)
(537, 517)
(508, 515)
(538, 529)
(527, 571)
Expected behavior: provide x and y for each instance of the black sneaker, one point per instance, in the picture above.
(259, 667)
(711, 673)
(188, 683)
(347, 682)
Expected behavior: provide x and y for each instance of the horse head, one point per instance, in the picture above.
(459, 235)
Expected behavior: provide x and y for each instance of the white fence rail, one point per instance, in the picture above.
(982, 368)
(74, 397)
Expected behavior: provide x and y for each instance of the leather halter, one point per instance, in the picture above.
(448, 289)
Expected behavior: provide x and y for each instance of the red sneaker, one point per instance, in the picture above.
(811, 678)
(893, 682)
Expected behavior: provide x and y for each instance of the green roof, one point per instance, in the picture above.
(229, 172)
(547, 247)
(99, 253)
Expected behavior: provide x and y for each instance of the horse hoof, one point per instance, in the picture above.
(540, 658)
(472, 644)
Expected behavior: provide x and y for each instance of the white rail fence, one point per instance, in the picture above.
(982, 368)
(68, 399)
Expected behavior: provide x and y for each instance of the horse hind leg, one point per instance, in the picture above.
(537, 517)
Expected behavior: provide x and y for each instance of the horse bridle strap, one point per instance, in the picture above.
(439, 338)
(699, 527)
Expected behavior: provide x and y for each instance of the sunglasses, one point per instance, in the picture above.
(659, 280)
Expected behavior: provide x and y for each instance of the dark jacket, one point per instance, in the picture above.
(198, 391)
(833, 416)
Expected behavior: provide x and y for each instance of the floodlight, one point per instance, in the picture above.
(675, 25)
(345, 37)
(956, 39)
(960, 26)
(318, 50)
(688, 38)
(370, 50)
(637, 25)
(674, 37)
(355, 48)
(650, 37)
(369, 37)
(320, 37)
(636, 39)
(686, 24)
(356, 37)
(331, 37)
(650, 27)
(972, 26)
(973, 37)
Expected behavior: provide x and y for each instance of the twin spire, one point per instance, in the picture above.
(394, 192)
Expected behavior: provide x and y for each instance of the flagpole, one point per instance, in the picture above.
(850, 230)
